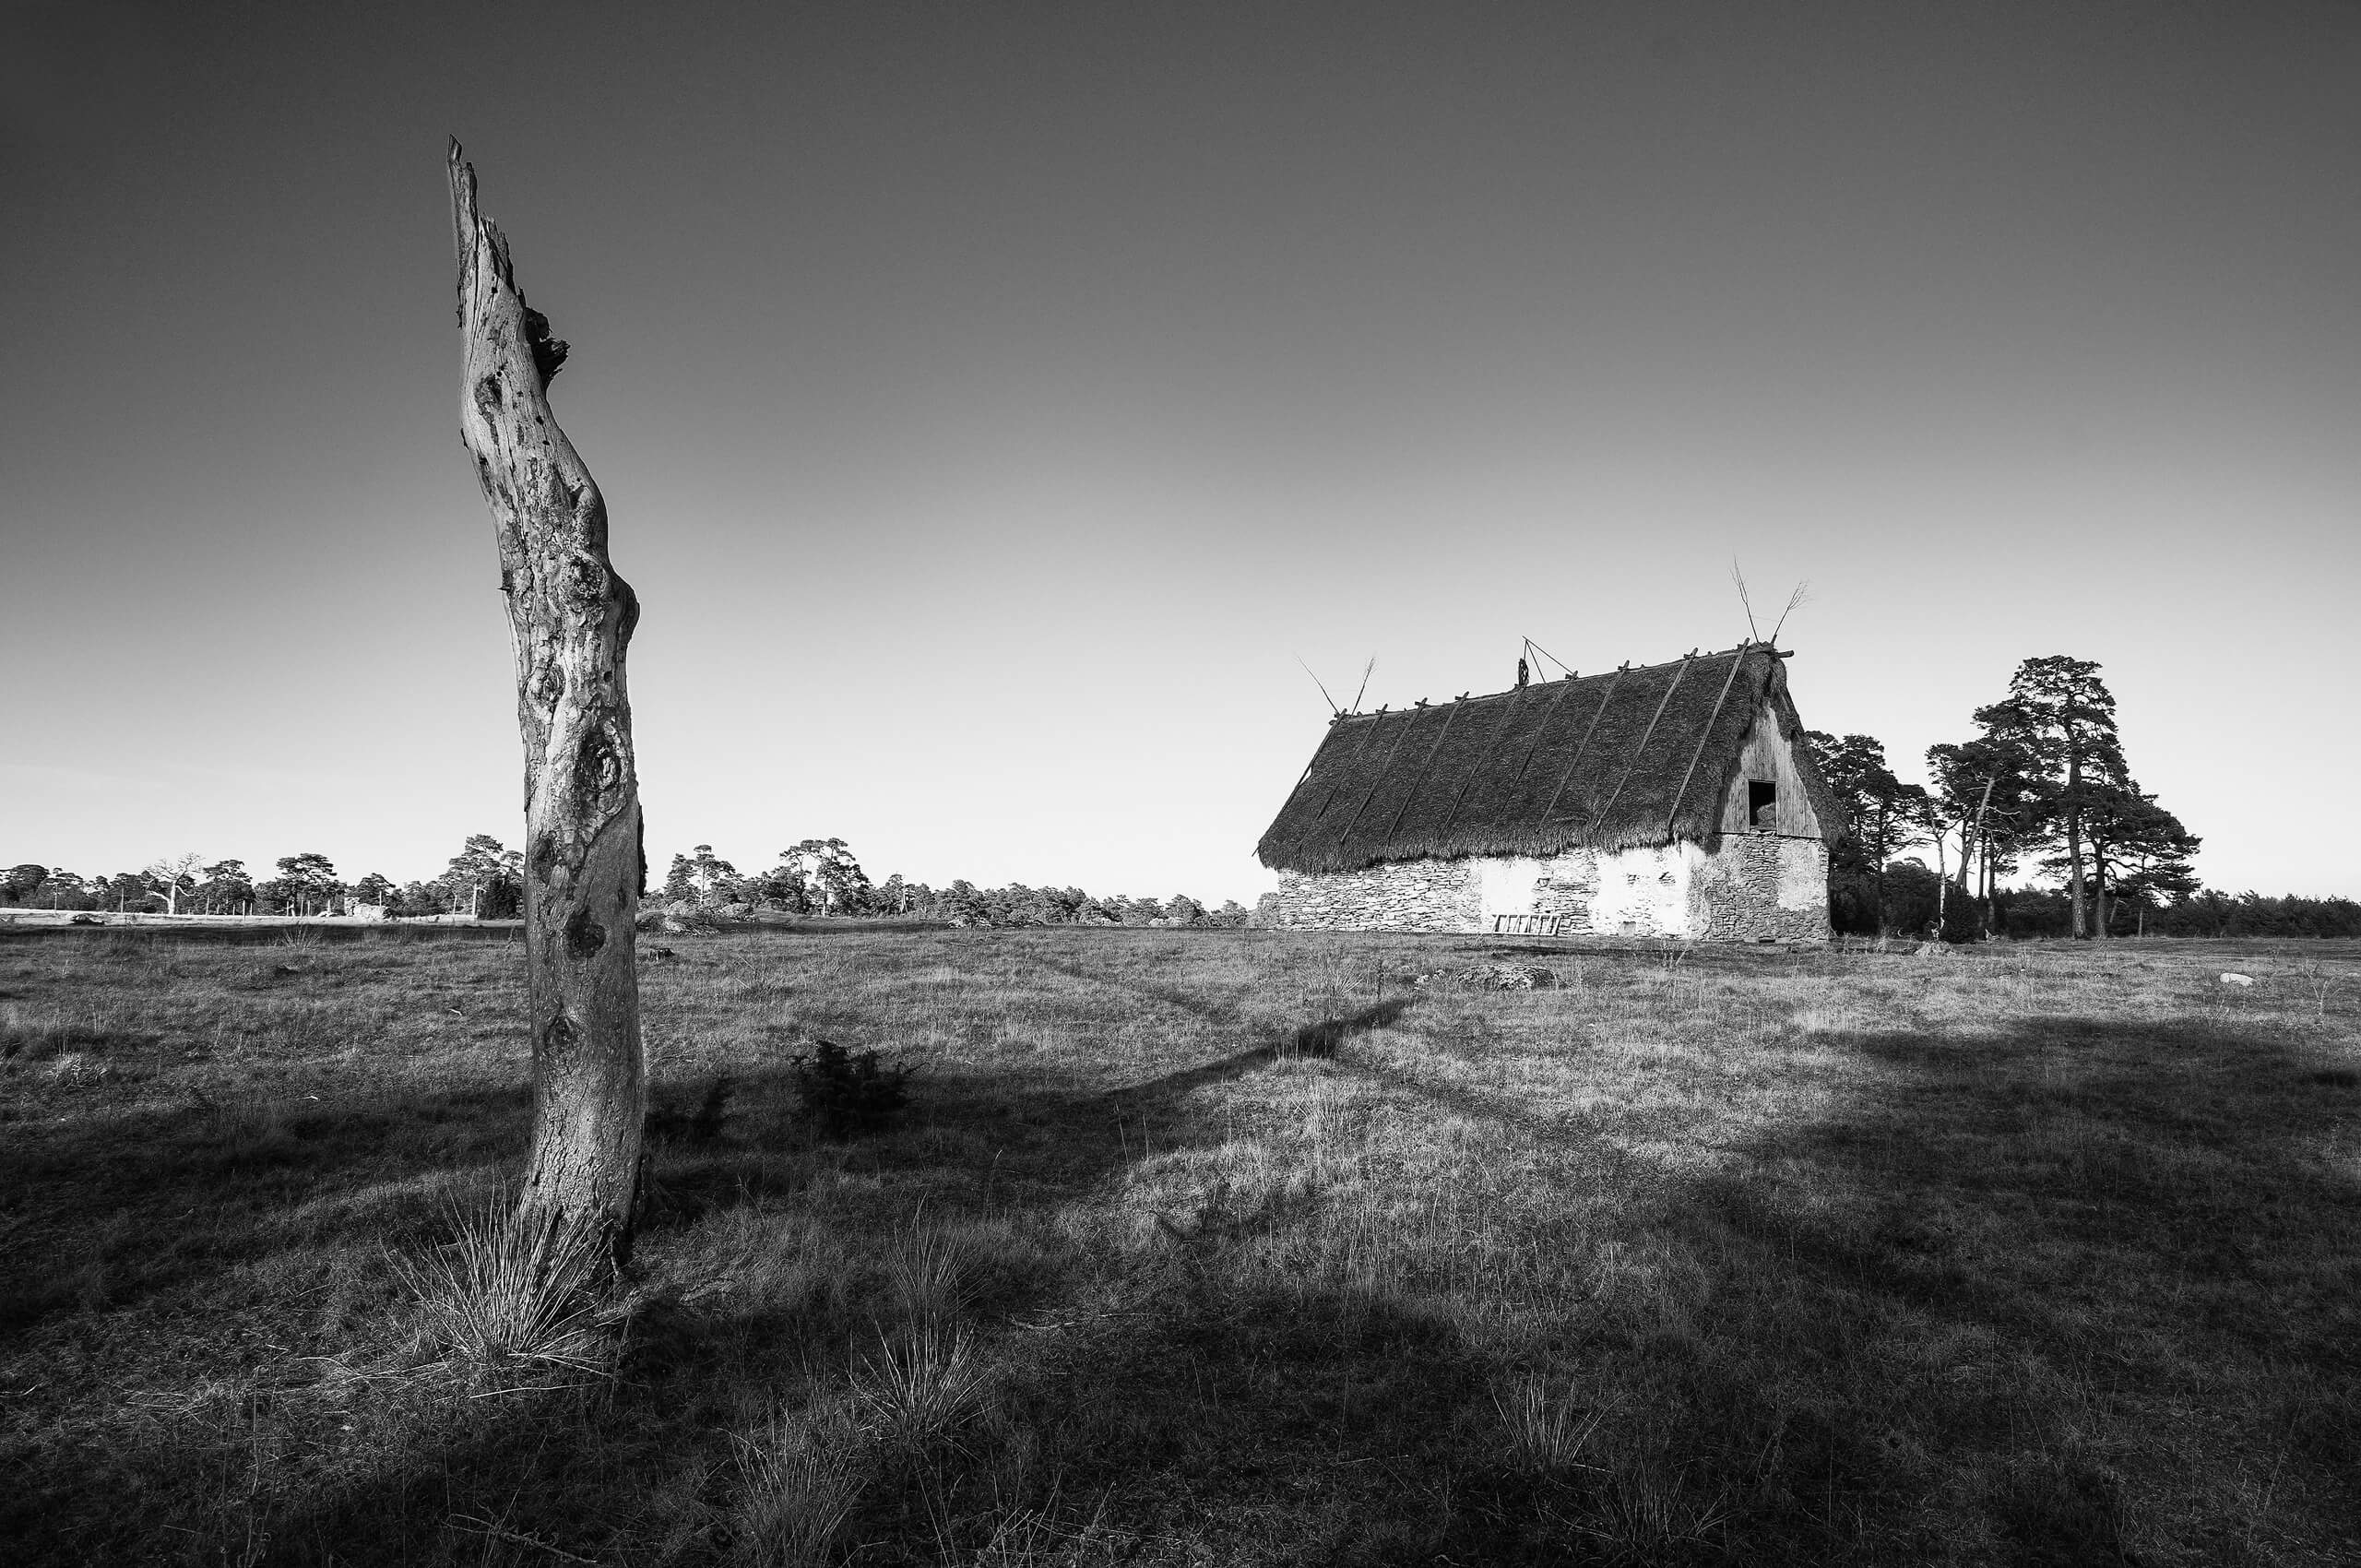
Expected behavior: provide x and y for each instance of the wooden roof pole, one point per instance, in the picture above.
(1645, 735)
(1432, 752)
(1325, 741)
(1411, 714)
(1485, 755)
(1705, 735)
(1542, 728)
(1368, 735)
(1567, 776)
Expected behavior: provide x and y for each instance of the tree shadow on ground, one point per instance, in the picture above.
(2040, 1250)
(1965, 1288)
(173, 1209)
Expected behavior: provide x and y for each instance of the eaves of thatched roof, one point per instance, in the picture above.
(1635, 756)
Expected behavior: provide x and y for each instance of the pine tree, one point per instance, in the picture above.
(1884, 810)
(2138, 849)
(2062, 716)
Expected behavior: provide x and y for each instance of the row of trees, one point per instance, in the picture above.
(2042, 780)
(306, 884)
(818, 877)
(822, 876)
(2043, 912)
(483, 879)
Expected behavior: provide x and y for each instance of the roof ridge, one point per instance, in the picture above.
(1579, 678)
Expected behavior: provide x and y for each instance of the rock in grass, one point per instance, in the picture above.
(2237, 980)
(1490, 977)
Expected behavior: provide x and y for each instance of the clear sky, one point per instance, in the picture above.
(993, 401)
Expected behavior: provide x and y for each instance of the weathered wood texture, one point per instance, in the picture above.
(1767, 755)
(570, 619)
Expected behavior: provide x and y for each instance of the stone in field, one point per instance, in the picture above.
(1492, 976)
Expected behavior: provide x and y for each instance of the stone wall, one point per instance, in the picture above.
(1762, 888)
(1752, 887)
(1402, 896)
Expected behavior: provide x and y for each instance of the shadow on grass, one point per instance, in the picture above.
(180, 1210)
(1956, 1298)
(2015, 1270)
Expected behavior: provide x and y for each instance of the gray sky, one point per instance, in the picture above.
(992, 403)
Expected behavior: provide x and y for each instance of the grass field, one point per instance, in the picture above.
(1204, 1248)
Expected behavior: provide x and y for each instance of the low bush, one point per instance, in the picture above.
(702, 1125)
(848, 1093)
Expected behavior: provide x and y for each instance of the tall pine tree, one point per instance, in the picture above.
(2063, 717)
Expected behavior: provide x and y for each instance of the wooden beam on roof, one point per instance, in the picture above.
(1478, 771)
(1540, 730)
(1575, 761)
(1703, 736)
(1432, 752)
(1645, 736)
(1366, 734)
(1409, 722)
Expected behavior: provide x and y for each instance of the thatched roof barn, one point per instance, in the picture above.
(1548, 785)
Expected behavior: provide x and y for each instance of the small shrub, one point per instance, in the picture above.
(848, 1093)
(699, 1126)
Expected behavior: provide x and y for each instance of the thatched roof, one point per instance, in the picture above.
(1638, 755)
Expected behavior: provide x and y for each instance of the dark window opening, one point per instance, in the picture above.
(1761, 803)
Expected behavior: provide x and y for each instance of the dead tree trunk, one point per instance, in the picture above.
(570, 619)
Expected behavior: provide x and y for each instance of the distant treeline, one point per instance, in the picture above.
(818, 877)
(822, 876)
(1912, 893)
(963, 903)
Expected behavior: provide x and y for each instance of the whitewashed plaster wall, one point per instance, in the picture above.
(1748, 888)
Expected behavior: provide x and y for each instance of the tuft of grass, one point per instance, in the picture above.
(1645, 1514)
(512, 1302)
(28, 1039)
(254, 1134)
(1546, 1431)
(1044, 1537)
(920, 1386)
(930, 1273)
(801, 1484)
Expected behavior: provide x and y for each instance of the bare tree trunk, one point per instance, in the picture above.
(1884, 929)
(1971, 840)
(570, 619)
(1942, 875)
(2075, 846)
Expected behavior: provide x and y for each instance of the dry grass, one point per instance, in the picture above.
(800, 1490)
(511, 1305)
(1196, 1247)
